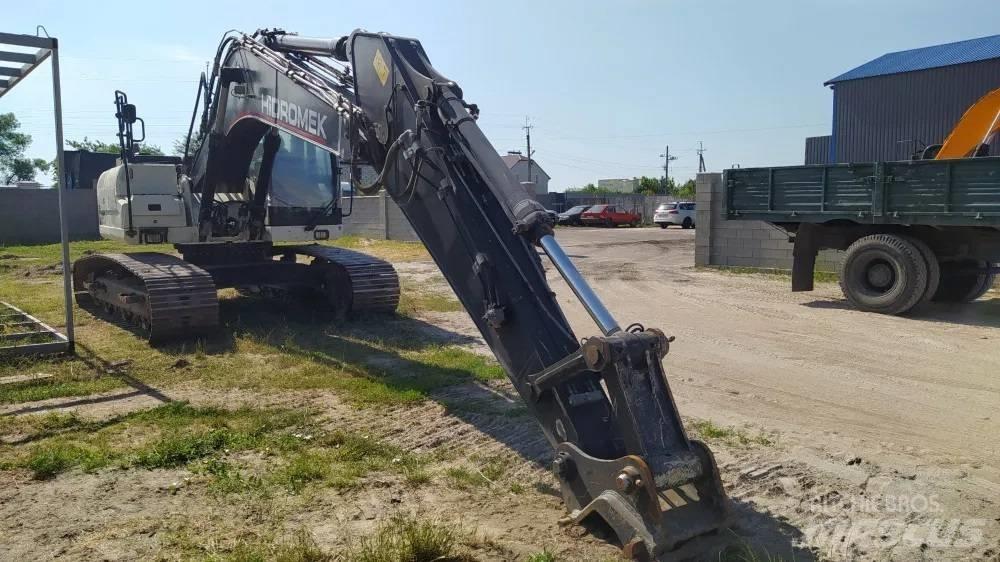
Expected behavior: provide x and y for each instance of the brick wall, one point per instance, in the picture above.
(378, 217)
(741, 243)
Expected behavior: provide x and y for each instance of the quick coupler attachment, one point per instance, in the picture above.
(665, 490)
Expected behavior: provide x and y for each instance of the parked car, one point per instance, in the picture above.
(609, 215)
(572, 216)
(680, 213)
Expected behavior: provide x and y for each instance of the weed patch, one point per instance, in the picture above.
(818, 276)
(710, 431)
(167, 436)
(407, 538)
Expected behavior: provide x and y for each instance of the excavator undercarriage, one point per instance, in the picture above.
(622, 455)
(165, 297)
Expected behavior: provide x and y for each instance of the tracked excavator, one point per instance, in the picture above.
(622, 456)
(258, 178)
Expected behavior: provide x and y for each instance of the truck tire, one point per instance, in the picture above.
(933, 269)
(688, 223)
(883, 273)
(957, 286)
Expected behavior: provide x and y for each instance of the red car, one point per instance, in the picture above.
(608, 215)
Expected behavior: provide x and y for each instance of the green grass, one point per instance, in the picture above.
(55, 456)
(177, 435)
(411, 539)
(818, 276)
(338, 460)
(487, 472)
(710, 431)
(228, 479)
(543, 556)
(390, 250)
(171, 435)
(412, 301)
(264, 344)
(31, 391)
(300, 548)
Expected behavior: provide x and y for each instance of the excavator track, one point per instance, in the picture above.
(354, 281)
(161, 295)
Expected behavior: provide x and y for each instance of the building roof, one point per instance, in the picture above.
(512, 159)
(971, 50)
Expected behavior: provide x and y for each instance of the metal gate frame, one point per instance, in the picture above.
(23, 334)
(47, 47)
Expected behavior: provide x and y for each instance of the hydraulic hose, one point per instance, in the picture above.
(390, 161)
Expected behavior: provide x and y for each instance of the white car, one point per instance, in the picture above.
(680, 213)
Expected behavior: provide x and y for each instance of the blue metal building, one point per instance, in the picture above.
(890, 106)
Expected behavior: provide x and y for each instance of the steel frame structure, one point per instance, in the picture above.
(10, 76)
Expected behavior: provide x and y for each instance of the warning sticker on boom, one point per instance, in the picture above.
(381, 69)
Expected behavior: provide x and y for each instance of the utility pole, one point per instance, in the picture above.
(701, 158)
(527, 138)
(666, 164)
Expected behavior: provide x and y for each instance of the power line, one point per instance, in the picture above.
(527, 138)
(666, 163)
(598, 161)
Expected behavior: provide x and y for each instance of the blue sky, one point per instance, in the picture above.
(606, 84)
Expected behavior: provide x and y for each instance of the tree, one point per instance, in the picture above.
(685, 191)
(114, 148)
(14, 166)
(589, 188)
(192, 148)
(24, 169)
(650, 186)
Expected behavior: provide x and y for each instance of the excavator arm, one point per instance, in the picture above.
(974, 129)
(622, 455)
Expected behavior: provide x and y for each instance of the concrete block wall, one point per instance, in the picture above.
(378, 217)
(741, 243)
(31, 216)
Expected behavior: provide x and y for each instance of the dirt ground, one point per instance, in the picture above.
(886, 428)
(839, 435)
(900, 413)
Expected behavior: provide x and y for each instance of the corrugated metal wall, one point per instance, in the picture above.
(817, 150)
(873, 115)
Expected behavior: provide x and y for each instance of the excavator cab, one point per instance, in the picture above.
(303, 189)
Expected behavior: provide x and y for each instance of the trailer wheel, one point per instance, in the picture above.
(933, 269)
(958, 285)
(883, 273)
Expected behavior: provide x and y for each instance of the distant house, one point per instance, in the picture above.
(538, 182)
(620, 185)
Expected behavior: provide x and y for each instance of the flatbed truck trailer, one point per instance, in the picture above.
(912, 231)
